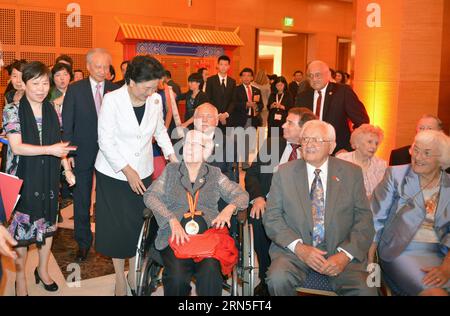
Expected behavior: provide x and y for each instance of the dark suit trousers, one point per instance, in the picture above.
(287, 272)
(82, 204)
(177, 275)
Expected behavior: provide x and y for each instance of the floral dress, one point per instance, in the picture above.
(21, 227)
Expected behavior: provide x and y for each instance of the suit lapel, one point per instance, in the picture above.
(90, 95)
(329, 94)
(333, 190)
(411, 190)
(303, 192)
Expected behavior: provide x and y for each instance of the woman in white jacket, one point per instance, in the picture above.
(129, 118)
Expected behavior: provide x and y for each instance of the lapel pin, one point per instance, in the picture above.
(201, 180)
(330, 93)
(336, 179)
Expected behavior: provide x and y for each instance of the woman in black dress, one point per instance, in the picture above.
(280, 101)
(129, 119)
(194, 97)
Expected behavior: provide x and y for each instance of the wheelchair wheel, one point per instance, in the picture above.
(248, 261)
(146, 267)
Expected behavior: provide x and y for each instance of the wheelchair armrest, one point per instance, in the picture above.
(241, 216)
(147, 213)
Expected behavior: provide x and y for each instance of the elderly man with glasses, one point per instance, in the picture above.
(318, 218)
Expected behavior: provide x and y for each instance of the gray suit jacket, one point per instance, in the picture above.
(399, 210)
(166, 197)
(348, 219)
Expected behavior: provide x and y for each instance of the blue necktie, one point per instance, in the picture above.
(318, 208)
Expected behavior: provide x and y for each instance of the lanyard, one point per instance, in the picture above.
(276, 96)
(192, 205)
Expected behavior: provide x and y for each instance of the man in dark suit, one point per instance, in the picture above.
(258, 178)
(332, 103)
(123, 69)
(319, 219)
(295, 84)
(220, 91)
(247, 102)
(401, 156)
(175, 86)
(81, 105)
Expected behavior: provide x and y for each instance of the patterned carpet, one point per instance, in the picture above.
(64, 250)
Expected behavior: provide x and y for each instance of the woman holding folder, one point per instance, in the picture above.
(34, 155)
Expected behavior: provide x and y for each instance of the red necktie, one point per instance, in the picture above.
(293, 155)
(249, 94)
(319, 104)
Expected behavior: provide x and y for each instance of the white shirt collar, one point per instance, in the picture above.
(95, 83)
(220, 77)
(324, 168)
(324, 90)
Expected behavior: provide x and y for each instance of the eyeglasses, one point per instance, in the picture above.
(317, 75)
(313, 140)
(425, 153)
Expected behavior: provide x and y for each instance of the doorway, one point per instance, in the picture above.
(281, 53)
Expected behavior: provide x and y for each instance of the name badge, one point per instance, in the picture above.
(278, 117)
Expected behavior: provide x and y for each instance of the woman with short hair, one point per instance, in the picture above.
(411, 210)
(365, 141)
(34, 155)
(128, 120)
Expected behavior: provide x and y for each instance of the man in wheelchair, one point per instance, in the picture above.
(184, 201)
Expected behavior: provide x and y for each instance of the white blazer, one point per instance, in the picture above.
(123, 142)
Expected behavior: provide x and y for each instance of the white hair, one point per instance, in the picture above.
(330, 132)
(441, 143)
(90, 54)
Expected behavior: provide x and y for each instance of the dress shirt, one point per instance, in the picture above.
(316, 96)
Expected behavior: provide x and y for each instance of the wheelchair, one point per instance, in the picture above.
(149, 263)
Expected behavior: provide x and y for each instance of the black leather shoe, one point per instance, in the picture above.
(82, 255)
(261, 289)
(49, 287)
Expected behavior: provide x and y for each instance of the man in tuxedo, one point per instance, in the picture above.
(274, 152)
(333, 103)
(295, 84)
(318, 218)
(80, 108)
(401, 156)
(220, 90)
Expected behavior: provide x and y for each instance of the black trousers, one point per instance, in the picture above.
(81, 206)
(177, 275)
(261, 244)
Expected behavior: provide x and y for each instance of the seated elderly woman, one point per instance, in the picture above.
(182, 186)
(412, 219)
(365, 141)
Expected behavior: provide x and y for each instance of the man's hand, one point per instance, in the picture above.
(311, 256)
(223, 118)
(372, 252)
(259, 207)
(335, 264)
(6, 241)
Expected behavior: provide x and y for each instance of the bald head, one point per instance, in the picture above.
(318, 74)
(206, 118)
